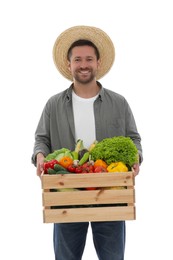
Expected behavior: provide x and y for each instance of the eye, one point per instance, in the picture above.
(89, 59)
(77, 59)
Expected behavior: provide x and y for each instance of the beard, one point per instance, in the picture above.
(84, 79)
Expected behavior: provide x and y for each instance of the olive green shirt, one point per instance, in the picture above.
(55, 130)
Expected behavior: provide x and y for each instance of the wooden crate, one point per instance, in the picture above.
(88, 205)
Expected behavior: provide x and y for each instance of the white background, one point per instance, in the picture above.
(142, 72)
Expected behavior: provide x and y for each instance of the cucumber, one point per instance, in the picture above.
(58, 167)
(51, 171)
(84, 158)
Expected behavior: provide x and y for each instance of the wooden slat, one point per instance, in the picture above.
(87, 180)
(89, 214)
(88, 197)
(69, 201)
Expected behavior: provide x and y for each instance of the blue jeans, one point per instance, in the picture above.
(108, 238)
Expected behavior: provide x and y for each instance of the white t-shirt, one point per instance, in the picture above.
(84, 120)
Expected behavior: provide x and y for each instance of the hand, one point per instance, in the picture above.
(135, 169)
(40, 163)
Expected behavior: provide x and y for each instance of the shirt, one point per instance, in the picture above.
(84, 120)
(56, 129)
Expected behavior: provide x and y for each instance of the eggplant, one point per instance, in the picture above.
(82, 152)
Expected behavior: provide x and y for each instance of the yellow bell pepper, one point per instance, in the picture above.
(117, 167)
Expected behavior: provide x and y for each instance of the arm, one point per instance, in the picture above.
(42, 139)
(132, 132)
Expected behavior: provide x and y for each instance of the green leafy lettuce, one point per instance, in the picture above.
(116, 149)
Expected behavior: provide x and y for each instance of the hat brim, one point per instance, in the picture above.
(97, 36)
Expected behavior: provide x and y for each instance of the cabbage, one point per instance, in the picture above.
(57, 154)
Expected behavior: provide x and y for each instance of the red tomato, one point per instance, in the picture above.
(71, 168)
(49, 164)
(100, 169)
(78, 169)
(86, 167)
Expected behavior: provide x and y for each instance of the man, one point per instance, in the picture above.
(86, 111)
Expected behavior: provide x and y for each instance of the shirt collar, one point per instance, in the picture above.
(70, 89)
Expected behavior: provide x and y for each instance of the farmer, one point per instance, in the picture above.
(88, 111)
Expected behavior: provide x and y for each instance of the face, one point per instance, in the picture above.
(83, 64)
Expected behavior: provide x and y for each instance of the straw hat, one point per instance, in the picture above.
(97, 36)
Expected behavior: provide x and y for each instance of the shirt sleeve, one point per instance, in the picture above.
(42, 135)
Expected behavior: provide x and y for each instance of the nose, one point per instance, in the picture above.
(83, 64)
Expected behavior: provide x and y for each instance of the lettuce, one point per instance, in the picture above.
(56, 154)
(116, 149)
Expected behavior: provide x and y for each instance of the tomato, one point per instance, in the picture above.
(49, 164)
(78, 169)
(71, 168)
(100, 169)
(86, 168)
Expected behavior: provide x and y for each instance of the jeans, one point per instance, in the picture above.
(108, 238)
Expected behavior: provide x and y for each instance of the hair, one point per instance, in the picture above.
(82, 42)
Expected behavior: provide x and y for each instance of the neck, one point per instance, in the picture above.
(86, 90)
